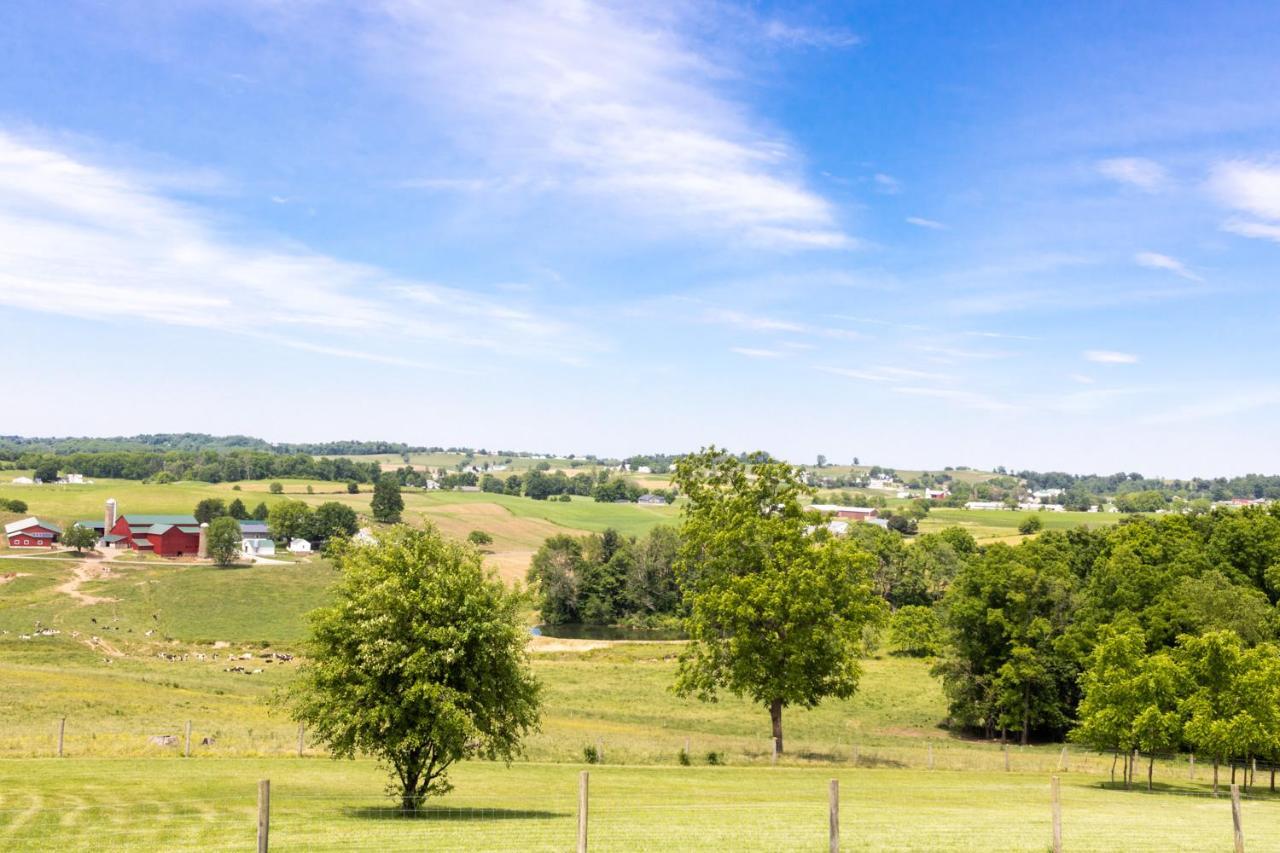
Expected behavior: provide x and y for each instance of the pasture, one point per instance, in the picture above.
(518, 525)
(210, 804)
(160, 646)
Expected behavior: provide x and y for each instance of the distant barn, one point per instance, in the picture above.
(32, 533)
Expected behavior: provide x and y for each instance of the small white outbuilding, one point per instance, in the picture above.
(299, 546)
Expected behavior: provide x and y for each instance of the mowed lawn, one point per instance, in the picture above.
(316, 804)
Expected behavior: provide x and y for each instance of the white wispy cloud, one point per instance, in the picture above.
(1248, 185)
(738, 319)
(933, 224)
(1256, 230)
(1081, 378)
(882, 373)
(88, 241)
(1157, 261)
(1146, 175)
(1252, 187)
(1102, 356)
(604, 102)
(886, 184)
(751, 352)
(796, 35)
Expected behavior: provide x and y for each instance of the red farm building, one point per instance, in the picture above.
(166, 535)
(32, 533)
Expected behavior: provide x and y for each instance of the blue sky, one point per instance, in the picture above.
(922, 234)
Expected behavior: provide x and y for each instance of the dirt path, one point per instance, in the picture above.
(89, 570)
(11, 576)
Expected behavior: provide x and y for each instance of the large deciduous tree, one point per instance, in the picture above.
(420, 661)
(387, 503)
(775, 613)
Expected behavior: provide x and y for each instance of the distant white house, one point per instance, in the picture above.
(903, 494)
(23, 481)
(299, 546)
(984, 505)
(429, 485)
(644, 469)
(1046, 494)
(257, 547)
(651, 500)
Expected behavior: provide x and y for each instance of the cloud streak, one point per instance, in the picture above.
(1146, 175)
(604, 103)
(1102, 356)
(1157, 261)
(86, 241)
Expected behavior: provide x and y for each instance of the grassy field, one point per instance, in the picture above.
(155, 650)
(518, 525)
(210, 804)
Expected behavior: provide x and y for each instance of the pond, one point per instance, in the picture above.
(606, 632)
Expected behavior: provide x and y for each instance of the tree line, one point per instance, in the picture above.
(208, 466)
(1020, 625)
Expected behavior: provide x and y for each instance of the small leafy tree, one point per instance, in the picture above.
(46, 472)
(260, 512)
(353, 488)
(209, 509)
(276, 488)
(236, 510)
(387, 503)
(79, 538)
(224, 540)
(1110, 702)
(914, 630)
(420, 661)
(1031, 524)
(479, 537)
(289, 519)
(332, 519)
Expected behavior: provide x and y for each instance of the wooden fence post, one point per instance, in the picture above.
(264, 813)
(1235, 818)
(62, 731)
(1057, 815)
(186, 751)
(301, 741)
(686, 747)
(1063, 762)
(582, 811)
(1191, 767)
(833, 822)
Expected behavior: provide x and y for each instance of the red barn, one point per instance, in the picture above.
(32, 533)
(166, 535)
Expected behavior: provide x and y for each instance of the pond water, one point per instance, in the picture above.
(605, 632)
